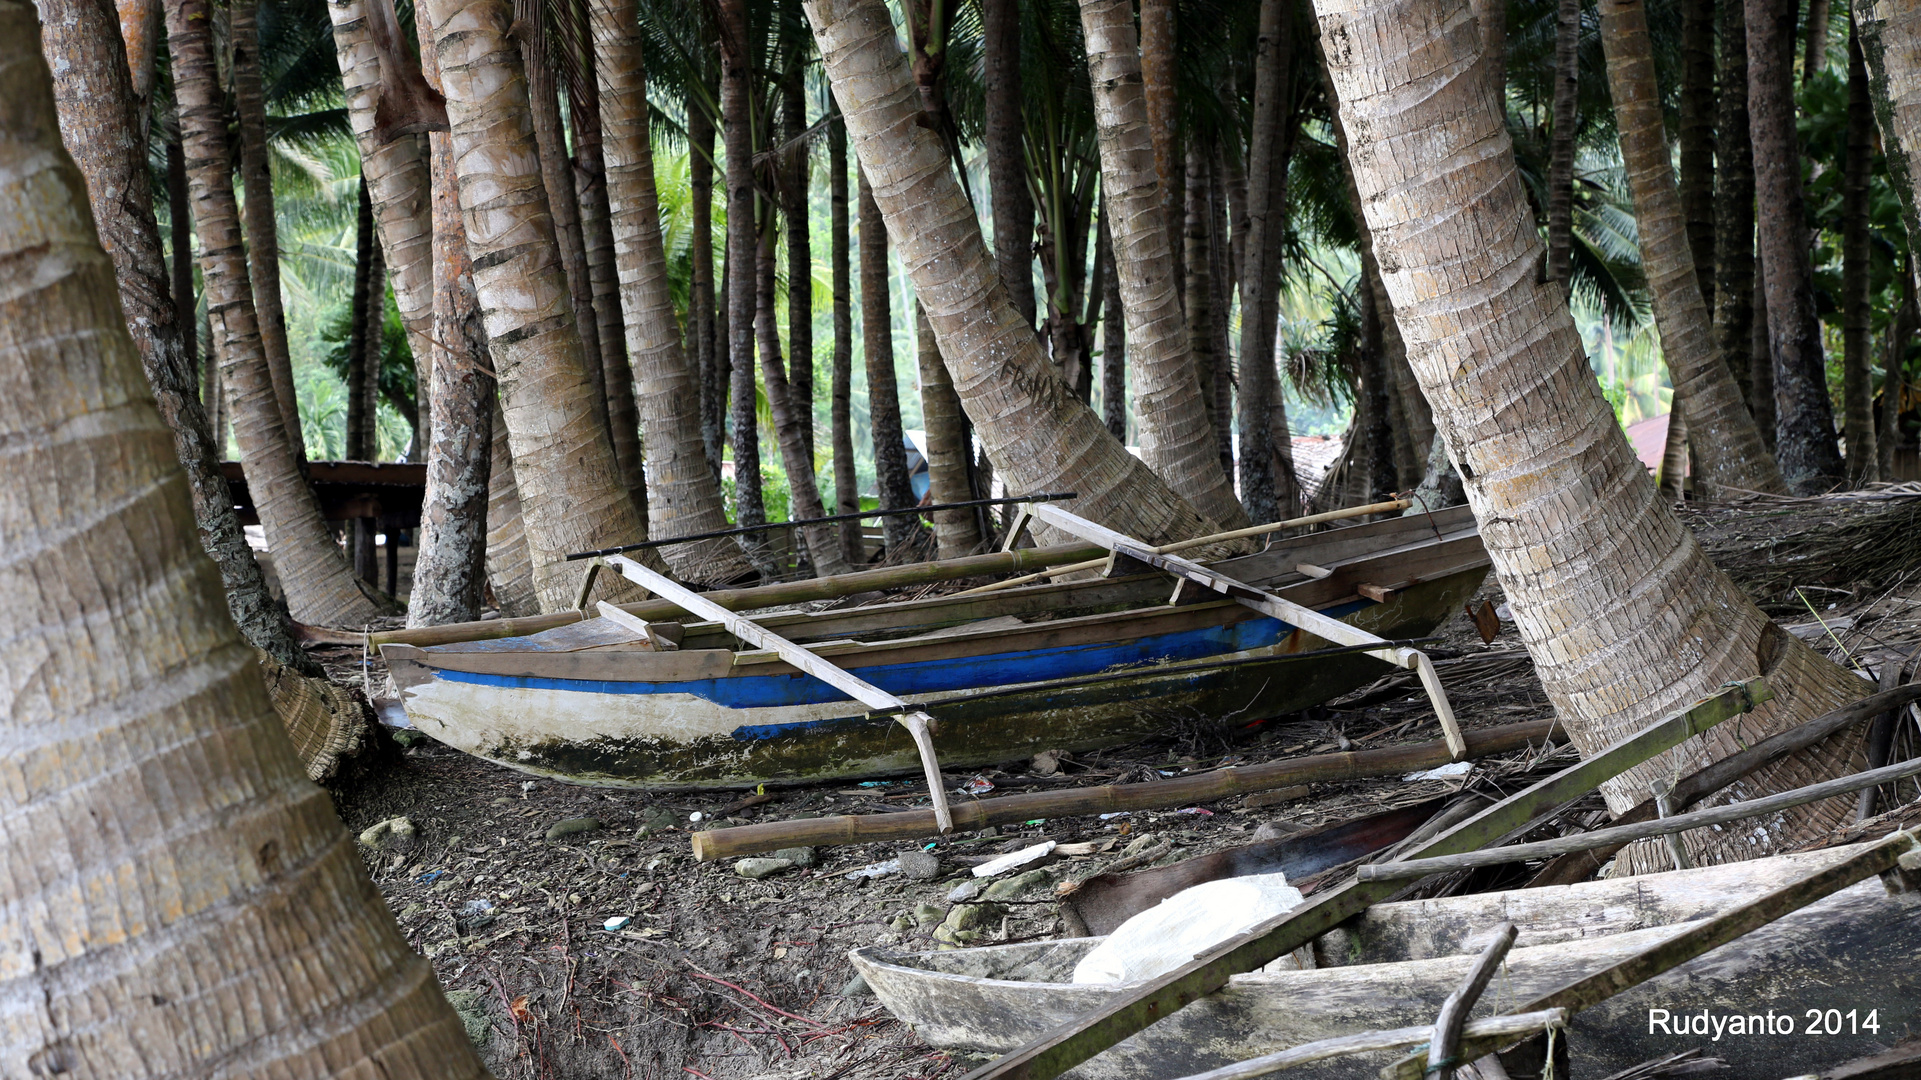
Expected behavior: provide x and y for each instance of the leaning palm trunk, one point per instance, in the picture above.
(1039, 435)
(1176, 437)
(1622, 613)
(1728, 448)
(218, 894)
(683, 493)
(1891, 48)
(319, 585)
(394, 164)
(450, 574)
(97, 106)
(510, 566)
(563, 465)
(263, 239)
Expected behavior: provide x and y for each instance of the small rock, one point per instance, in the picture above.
(799, 856)
(505, 801)
(966, 890)
(408, 737)
(926, 914)
(471, 1006)
(383, 833)
(920, 865)
(1139, 844)
(657, 820)
(571, 826)
(991, 830)
(1016, 885)
(411, 910)
(756, 869)
(901, 924)
(972, 916)
(856, 987)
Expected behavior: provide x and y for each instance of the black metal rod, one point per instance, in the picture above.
(1054, 496)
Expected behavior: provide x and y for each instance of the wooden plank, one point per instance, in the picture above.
(1501, 1027)
(1071, 1044)
(1332, 629)
(1700, 939)
(917, 723)
(638, 625)
(1409, 869)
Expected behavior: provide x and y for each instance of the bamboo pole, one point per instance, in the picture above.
(1624, 834)
(757, 596)
(1111, 798)
(1204, 541)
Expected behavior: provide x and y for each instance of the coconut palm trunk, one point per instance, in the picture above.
(96, 103)
(1694, 173)
(1114, 341)
(683, 492)
(1039, 435)
(1159, 64)
(359, 442)
(510, 565)
(393, 151)
(795, 197)
(743, 242)
(1567, 105)
(219, 894)
(1804, 439)
(708, 344)
(1005, 140)
(1176, 438)
(1729, 453)
(450, 572)
(957, 532)
(883, 388)
(1734, 213)
(1857, 307)
(263, 237)
(319, 585)
(1622, 613)
(1890, 36)
(1261, 490)
(841, 391)
(564, 470)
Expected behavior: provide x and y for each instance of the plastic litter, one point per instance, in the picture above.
(1198, 811)
(1015, 860)
(618, 922)
(1171, 933)
(979, 785)
(1444, 772)
(874, 870)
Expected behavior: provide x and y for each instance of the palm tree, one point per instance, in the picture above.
(743, 241)
(1804, 420)
(224, 869)
(957, 532)
(1891, 49)
(841, 391)
(1006, 151)
(1038, 433)
(263, 244)
(1623, 614)
(1176, 437)
(1728, 447)
(1159, 66)
(683, 493)
(1857, 305)
(1560, 185)
(564, 469)
(1734, 216)
(1265, 495)
(319, 585)
(883, 391)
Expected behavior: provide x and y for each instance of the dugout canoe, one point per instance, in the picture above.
(1072, 665)
(1857, 951)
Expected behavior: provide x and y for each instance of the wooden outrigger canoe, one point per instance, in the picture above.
(1071, 665)
(1855, 951)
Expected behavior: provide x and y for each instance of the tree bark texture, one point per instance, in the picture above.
(1203, 289)
(1901, 330)
(450, 571)
(743, 243)
(841, 404)
(1890, 33)
(159, 830)
(1804, 440)
(1114, 339)
(1696, 164)
(1734, 213)
(359, 442)
(1007, 153)
(795, 197)
(510, 565)
(1260, 489)
(1814, 41)
(883, 388)
(1729, 447)
(1039, 435)
(1176, 438)
(709, 347)
(1373, 461)
(1761, 352)
(563, 464)
(97, 108)
(956, 532)
(180, 235)
(1567, 116)
(1622, 613)
(596, 226)
(141, 24)
(319, 585)
(537, 52)
(263, 234)
(803, 493)
(1220, 246)
(1160, 66)
(1857, 308)
(682, 491)
(395, 168)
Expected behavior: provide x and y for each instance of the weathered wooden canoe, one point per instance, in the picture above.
(1858, 950)
(1071, 665)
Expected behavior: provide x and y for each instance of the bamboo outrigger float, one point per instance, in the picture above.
(718, 700)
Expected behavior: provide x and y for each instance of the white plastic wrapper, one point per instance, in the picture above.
(1171, 933)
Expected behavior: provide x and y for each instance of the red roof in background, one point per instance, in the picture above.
(1649, 437)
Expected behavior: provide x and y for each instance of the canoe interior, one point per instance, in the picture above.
(1392, 967)
(566, 704)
